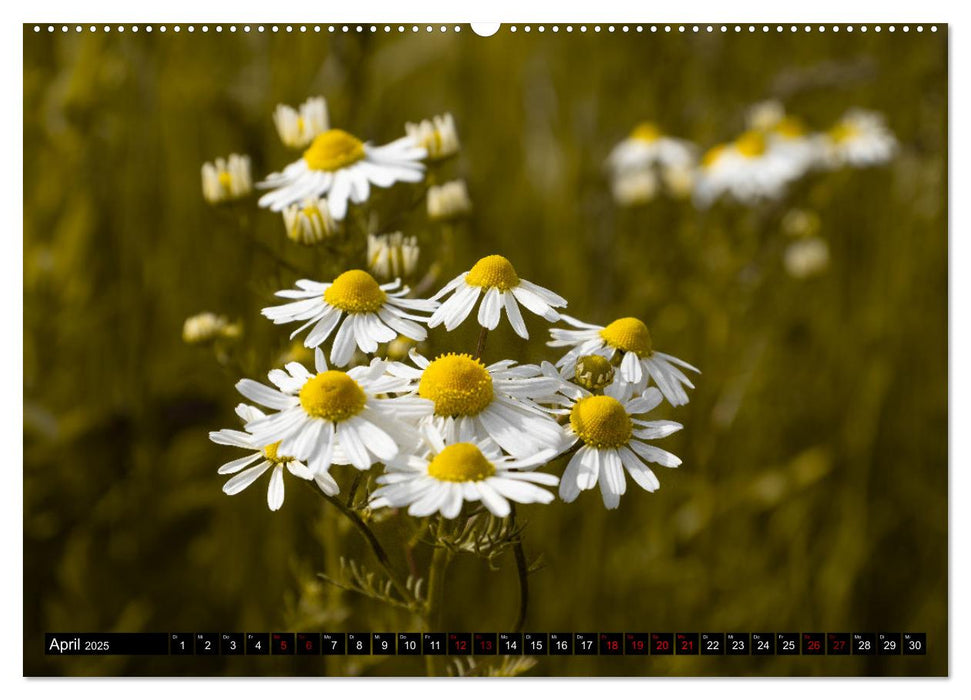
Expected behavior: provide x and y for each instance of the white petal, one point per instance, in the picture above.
(244, 479)
(274, 493)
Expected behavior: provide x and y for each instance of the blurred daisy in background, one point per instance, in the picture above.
(392, 254)
(343, 167)
(437, 136)
(639, 361)
(309, 222)
(613, 439)
(860, 139)
(446, 474)
(746, 170)
(645, 159)
(207, 327)
(806, 257)
(448, 201)
(496, 280)
(298, 127)
(226, 179)
(372, 313)
(334, 417)
(497, 402)
(265, 457)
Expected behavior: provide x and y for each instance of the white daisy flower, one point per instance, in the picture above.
(613, 439)
(310, 222)
(298, 127)
(448, 201)
(647, 146)
(335, 417)
(859, 139)
(372, 313)
(497, 402)
(226, 179)
(343, 167)
(496, 279)
(447, 474)
(632, 188)
(746, 170)
(789, 139)
(765, 115)
(266, 457)
(392, 254)
(437, 136)
(639, 360)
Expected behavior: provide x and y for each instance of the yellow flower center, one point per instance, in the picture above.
(628, 334)
(594, 372)
(790, 128)
(459, 385)
(270, 453)
(601, 421)
(751, 144)
(493, 271)
(462, 461)
(333, 396)
(300, 124)
(355, 292)
(646, 132)
(844, 131)
(332, 150)
(225, 179)
(712, 155)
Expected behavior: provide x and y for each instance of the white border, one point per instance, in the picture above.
(519, 11)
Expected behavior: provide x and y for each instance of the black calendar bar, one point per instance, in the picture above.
(631, 644)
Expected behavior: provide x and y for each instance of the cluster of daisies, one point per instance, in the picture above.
(450, 429)
(775, 150)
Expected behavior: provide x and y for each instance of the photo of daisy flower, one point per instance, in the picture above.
(639, 361)
(613, 440)
(266, 457)
(444, 476)
(496, 403)
(859, 139)
(363, 313)
(343, 168)
(495, 279)
(334, 417)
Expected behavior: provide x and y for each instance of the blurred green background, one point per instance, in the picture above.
(813, 494)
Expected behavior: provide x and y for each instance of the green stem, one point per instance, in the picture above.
(522, 571)
(371, 539)
(436, 585)
(480, 346)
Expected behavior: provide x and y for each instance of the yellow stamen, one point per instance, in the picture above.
(493, 271)
(458, 384)
(462, 461)
(355, 292)
(333, 396)
(751, 144)
(225, 179)
(628, 334)
(646, 132)
(270, 453)
(332, 150)
(594, 372)
(601, 421)
(844, 131)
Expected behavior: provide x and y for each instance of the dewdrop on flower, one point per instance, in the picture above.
(448, 201)
(436, 135)
(226, 179)
(297, 128)
(392, 255)
(207, 327)
(806, 257)
(310, 222)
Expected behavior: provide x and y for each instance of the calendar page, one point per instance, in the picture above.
(541, 350)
